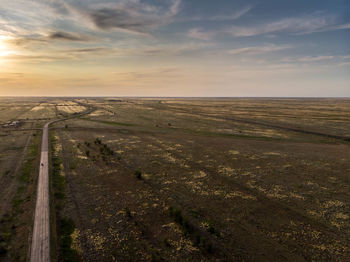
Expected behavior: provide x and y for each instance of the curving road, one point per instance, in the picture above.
(40, 249)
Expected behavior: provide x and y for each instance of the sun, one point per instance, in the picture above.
(4, 47)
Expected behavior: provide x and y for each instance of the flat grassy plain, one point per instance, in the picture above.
(194, 179)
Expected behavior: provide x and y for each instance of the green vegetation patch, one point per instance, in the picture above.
(109, 122)
(65, 226)
(10, 222)
(28, 164)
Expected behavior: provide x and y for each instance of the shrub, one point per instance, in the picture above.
(127, 212)
(211, 229)
(3, 248)
(138, 174)
(66, 228)
(189, 229)
(178, 216)
(166, 242)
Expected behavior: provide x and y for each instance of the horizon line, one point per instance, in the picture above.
(110, 96)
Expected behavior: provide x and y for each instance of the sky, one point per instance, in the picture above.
(270, 48)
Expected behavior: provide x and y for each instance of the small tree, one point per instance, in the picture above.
(87, 153)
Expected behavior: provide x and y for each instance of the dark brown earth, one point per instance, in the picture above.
(198, 179)
(246, 191)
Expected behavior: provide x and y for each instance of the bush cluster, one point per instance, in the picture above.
(189, 229)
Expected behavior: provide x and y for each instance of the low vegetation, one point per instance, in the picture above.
(189, 229)
(16, 223)
(64, 226)
(226, 180)
(138, 174)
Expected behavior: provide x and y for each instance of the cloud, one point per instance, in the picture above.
(93, 50)
(232, 16)
(80, 54)
(22, 17)
(38, 39)
(148, 75)
(315, 58)
(326, 60)
(59, 7)
(36, 57)
(65, 54)
(223, 17)
(298, 25)
(200, 34)
(27, 40)
(168, 50)
(252, 50)
(65, 36)
(130, 16)
(344, 64)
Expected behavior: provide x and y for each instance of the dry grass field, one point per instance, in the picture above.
(182, 179)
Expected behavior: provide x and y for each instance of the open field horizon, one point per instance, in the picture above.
(189, 97)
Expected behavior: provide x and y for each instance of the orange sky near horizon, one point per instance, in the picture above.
(176, 48)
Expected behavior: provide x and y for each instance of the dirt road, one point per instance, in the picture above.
(40, 249)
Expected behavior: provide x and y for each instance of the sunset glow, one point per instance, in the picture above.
(4, 49)
(174, 48)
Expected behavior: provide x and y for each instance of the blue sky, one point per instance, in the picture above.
(175, 48)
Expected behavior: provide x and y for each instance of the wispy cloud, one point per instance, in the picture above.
(66, 54)
(253, 50)
(148, 75)
(128, 16)
(344, 64)
(40, 39)
(220, 17)
(200, 34)
(23, 41)
(102, 52)
(65, 36)
(315, 58)
(318, 22)
(233, 16)
(325, 59)
(297, 25)
(37, 58)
